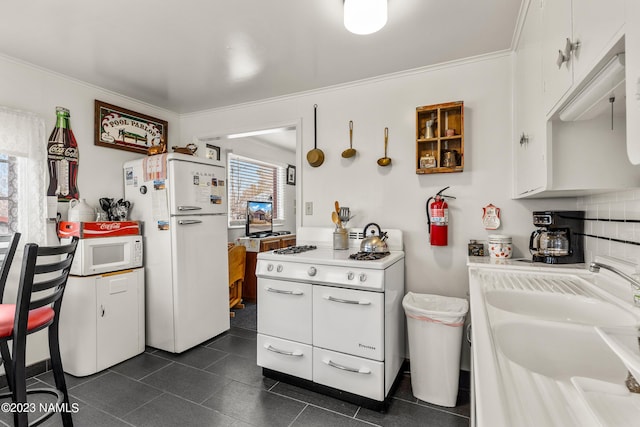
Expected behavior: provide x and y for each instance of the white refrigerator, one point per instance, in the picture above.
(181, 200)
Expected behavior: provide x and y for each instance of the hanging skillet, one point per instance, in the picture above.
(315, 157)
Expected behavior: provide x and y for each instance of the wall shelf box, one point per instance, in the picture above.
(440, 138)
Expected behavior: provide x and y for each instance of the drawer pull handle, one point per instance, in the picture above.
(280, 291)
(347, 301)
(189, 221)
(189, 208)
(296, 353)
(346, 368)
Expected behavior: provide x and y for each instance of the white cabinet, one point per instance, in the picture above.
(632, 75)
(576, 36)
(554, 158)
(102, 321)
(530, 149)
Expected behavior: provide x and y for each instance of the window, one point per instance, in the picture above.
(251, 179)
(9, 221)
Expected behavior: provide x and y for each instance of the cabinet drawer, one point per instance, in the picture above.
(284, 310)
(349, 321)
(269, 245)
(285, 356)
(355, 375)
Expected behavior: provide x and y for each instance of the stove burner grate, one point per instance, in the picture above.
(295, 249)
(368, 256)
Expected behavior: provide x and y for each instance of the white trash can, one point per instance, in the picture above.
(435, 325)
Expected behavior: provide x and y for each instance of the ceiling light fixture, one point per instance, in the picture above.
(365, 16)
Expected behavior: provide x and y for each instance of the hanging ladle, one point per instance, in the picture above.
(385, 161)
(349, 152)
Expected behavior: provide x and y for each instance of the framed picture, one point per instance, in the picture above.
(124, 129)
(291, 175)
(212, 152)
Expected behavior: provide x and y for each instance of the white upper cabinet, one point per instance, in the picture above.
(530, 149)
(632, 76)
(576, 35)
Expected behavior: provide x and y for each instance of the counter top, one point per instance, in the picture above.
(522, 264)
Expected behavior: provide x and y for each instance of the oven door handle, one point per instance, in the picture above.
(346, 301)
(296, 353)
(346, 368)
(280, 291)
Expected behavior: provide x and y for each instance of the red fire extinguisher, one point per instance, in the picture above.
(438, 218)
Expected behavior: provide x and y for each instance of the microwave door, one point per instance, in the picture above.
(196, 188)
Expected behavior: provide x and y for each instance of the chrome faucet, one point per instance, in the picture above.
(594, 267)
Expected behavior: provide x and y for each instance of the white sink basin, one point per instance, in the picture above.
(559, 351)
(560, 308)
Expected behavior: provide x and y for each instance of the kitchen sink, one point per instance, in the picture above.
(559, 351)
(558, 307)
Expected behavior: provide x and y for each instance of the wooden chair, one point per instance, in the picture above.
(43, 278)
(237, 262)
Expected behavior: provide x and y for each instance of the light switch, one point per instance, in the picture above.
(308, 208)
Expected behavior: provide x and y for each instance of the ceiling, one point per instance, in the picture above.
(193, 55)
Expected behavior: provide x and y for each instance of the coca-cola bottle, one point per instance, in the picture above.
(62, 156)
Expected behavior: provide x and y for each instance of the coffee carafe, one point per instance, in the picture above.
(559, 238)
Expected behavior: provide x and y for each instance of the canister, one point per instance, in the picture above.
(500, 246)
(340, 239)
(476, 248)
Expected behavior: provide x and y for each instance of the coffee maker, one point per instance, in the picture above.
(559, 238)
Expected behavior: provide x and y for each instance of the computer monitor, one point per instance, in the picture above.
(259, 218)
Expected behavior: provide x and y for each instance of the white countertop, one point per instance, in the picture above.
(522, 264)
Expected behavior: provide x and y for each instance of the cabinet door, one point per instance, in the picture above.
(118, 329)
(632, 74)
(597, 24)
(530, 136)
(556, 24)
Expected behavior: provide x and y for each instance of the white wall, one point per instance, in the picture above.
(100, 168)
(394, 197)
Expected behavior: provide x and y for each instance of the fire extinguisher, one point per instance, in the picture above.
(438, 218)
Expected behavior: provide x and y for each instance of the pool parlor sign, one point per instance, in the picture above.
(124, 129)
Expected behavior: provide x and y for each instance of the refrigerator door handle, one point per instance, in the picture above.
(189, 221)
(189, 208)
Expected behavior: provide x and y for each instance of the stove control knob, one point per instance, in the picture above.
(312, 271)
(269, 267)
(363, 277)
(350, 275)
(279, 268)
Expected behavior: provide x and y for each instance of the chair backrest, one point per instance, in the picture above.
(8, 245)
(44, 268)
(237, 261)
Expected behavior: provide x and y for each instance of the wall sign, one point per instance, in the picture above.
(124, 129)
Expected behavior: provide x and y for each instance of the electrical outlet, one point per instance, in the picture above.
(308, 208)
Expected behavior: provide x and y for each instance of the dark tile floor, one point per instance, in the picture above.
(219, 384)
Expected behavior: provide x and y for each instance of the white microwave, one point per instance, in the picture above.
(106, 254)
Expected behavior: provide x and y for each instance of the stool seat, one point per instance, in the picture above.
(38, 318)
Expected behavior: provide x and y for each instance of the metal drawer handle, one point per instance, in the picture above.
(346, 368)
(189, 221)
(189, 208)
(296, 353)
(347, 301)
(280, 291)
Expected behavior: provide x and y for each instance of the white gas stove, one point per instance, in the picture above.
(329, 322)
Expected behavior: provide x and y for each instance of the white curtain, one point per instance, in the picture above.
(22, 134)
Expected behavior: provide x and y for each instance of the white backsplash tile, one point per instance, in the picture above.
(614, 205)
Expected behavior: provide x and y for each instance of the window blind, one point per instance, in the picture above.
(251, 179)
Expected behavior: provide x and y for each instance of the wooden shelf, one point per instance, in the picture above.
(434, 148)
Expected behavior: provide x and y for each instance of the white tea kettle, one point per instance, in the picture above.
(80, 211)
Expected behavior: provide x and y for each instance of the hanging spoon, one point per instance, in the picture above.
(385, 161)
(349, 152)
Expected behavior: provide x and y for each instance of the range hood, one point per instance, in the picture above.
(596, 96)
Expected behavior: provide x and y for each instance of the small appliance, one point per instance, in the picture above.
(559, 238)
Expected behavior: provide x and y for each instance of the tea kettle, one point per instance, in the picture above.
(374, 243)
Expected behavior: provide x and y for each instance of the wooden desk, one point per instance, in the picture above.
(255, 245)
